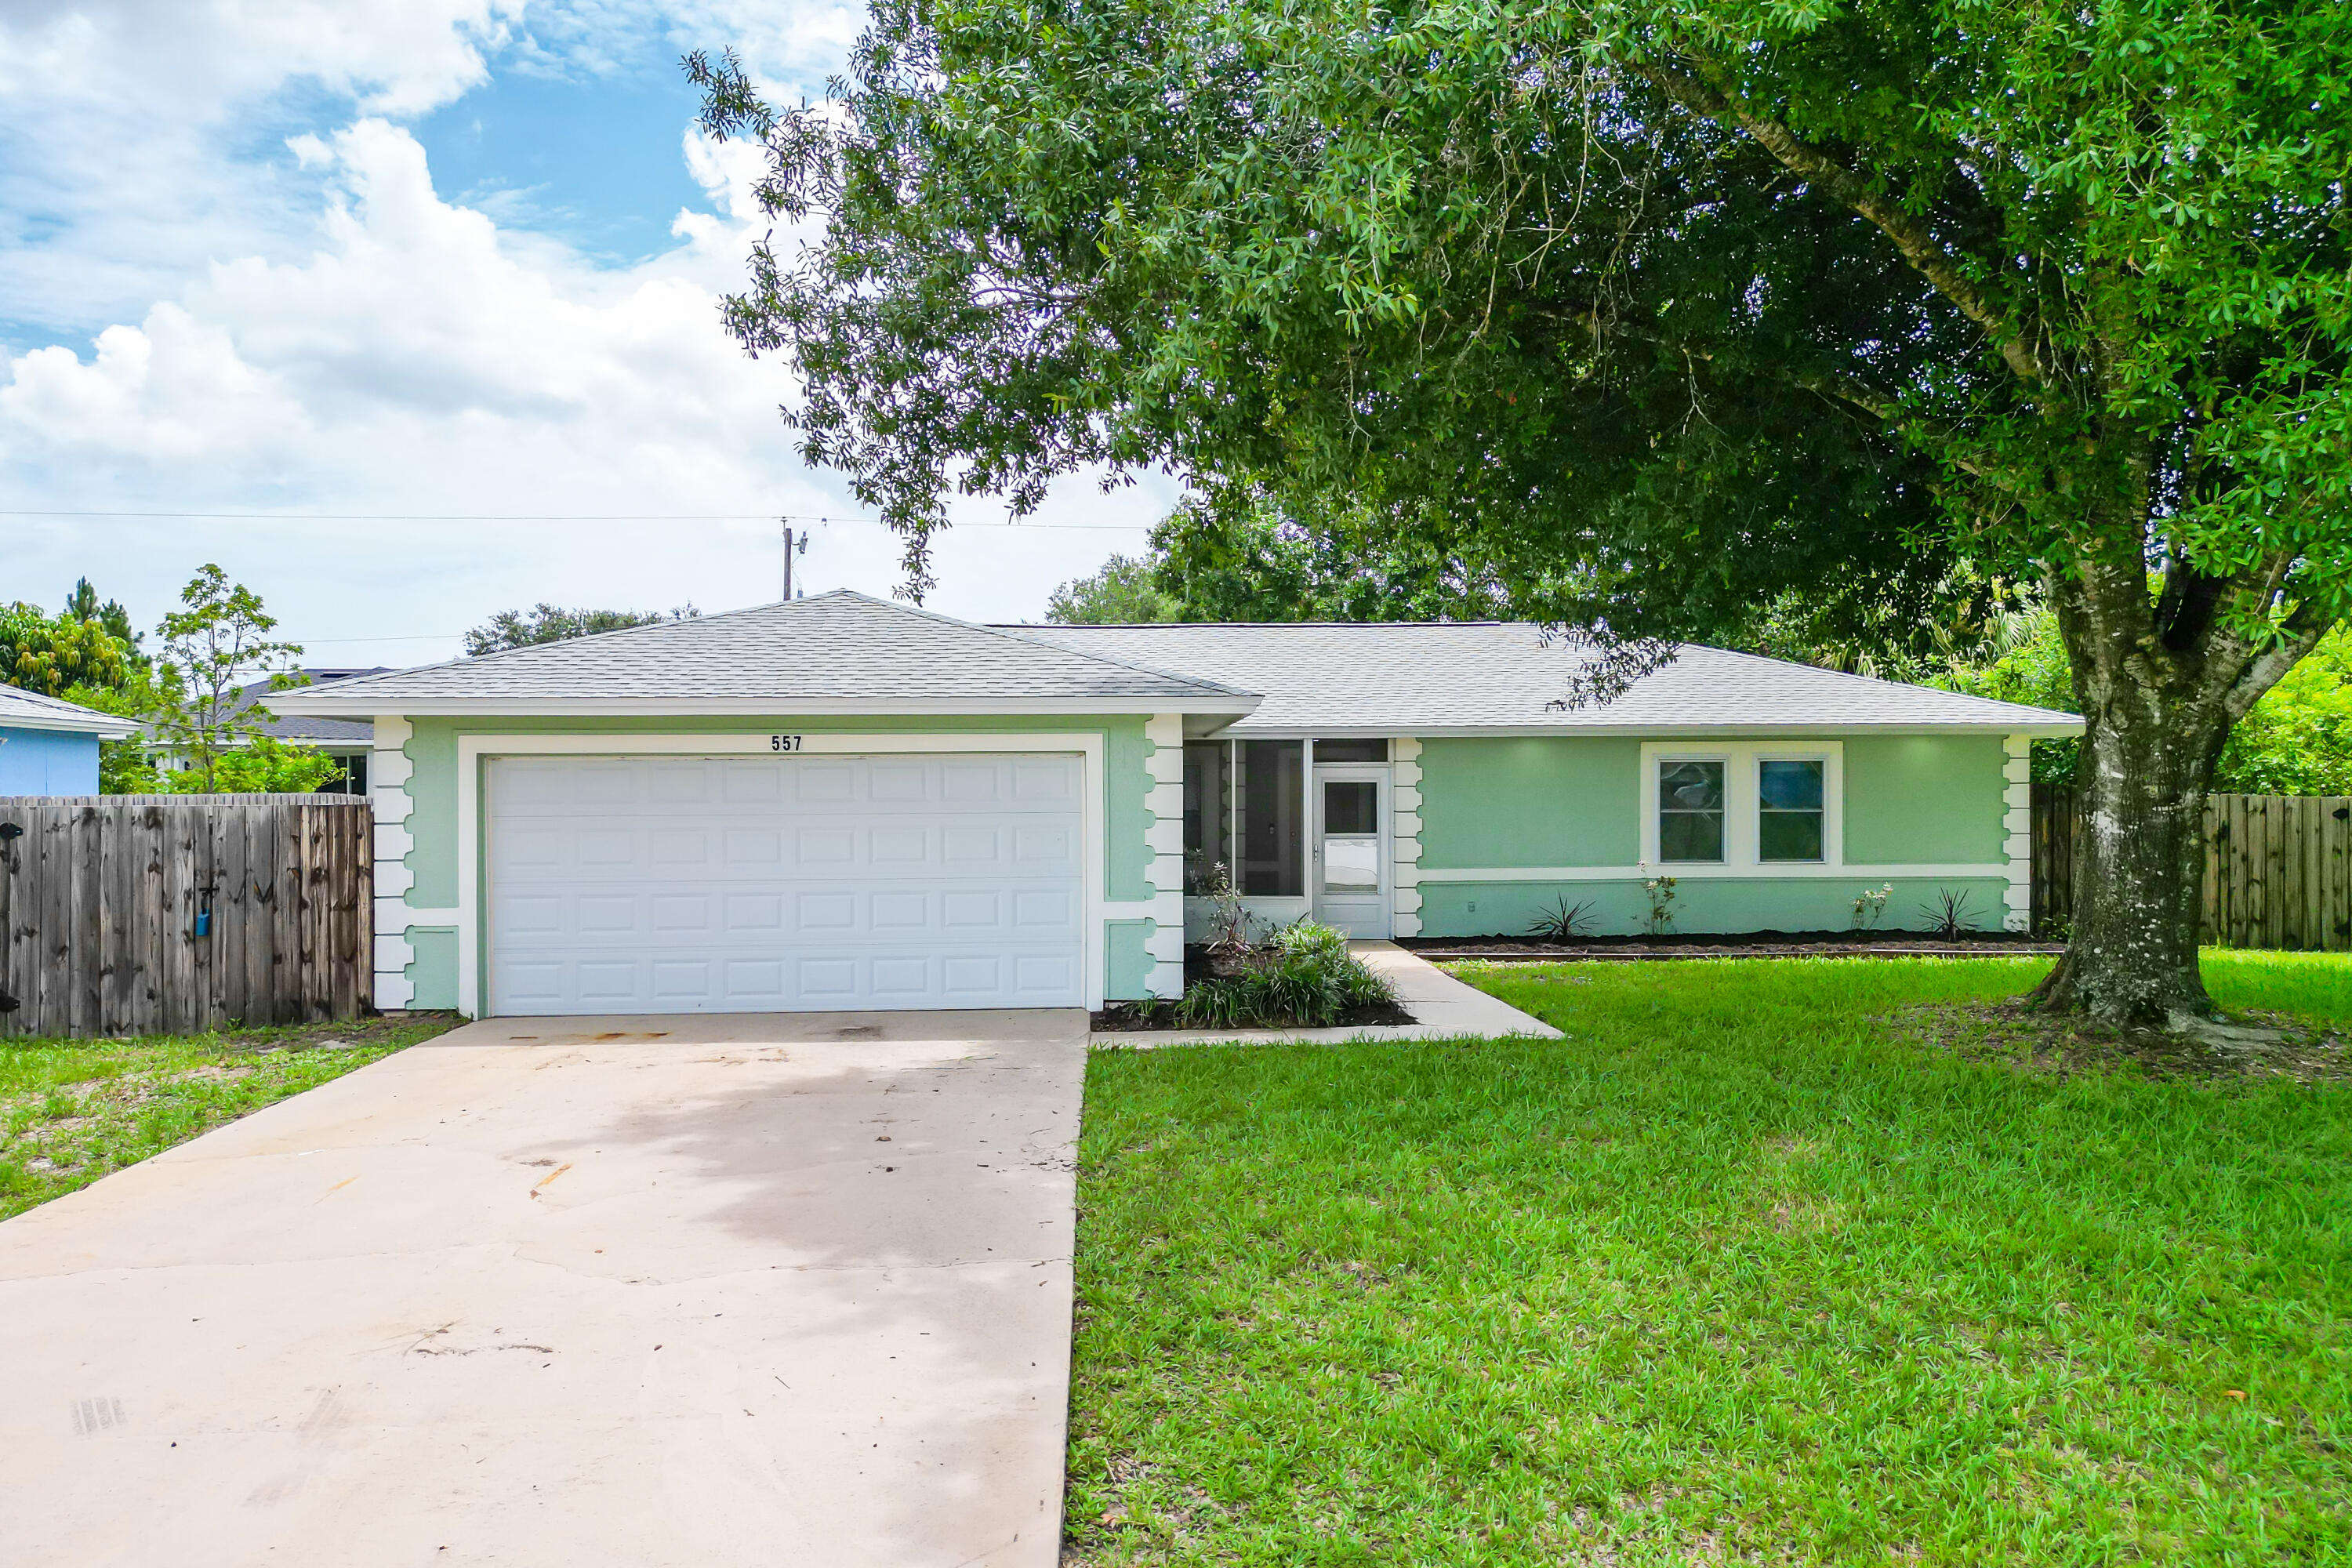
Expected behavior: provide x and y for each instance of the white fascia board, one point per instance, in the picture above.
(104, 726)
(2057, 727)
(368, 706)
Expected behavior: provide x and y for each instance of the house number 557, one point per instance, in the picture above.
(783, 742)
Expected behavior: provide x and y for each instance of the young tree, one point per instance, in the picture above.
(1652, 312)
(212, 649)
(546, 623)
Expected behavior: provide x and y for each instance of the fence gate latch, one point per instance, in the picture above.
(205, 908)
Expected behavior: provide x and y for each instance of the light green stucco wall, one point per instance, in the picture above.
(433, 966)
(1131, 961)
(432, 750)
(1517, 802)
(1701, 904)
(1923, 799)
(1530, 802)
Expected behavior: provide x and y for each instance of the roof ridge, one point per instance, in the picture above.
(476, 660)
(1010, 636)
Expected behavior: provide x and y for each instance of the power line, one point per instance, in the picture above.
(534, 517)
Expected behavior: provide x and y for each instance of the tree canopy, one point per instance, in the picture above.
(1648, 314)
(53, 653)
(1650, 311)
(1255, 562)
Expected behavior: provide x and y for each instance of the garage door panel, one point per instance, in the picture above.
(754, 912)
(898, 846)
(680, 884)
(1040, 847)
(677, 784)
(757, 849)
(900, 783)
(609, 783)
(821, 784)
(829, 846)
(899, 911)
(825, 913)
(972, 782)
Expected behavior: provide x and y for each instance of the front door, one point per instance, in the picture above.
(1352, 849)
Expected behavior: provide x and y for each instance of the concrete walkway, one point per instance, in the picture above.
(1442, 1007)
(786, 1289)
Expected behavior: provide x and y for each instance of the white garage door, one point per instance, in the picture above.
(751, 884)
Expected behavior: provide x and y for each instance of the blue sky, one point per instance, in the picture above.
(401, 275)
(588, 154)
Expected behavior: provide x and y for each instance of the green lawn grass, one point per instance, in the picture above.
(1736, 1272)
(71, 1111)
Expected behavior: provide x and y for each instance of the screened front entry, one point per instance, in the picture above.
(1298, 827)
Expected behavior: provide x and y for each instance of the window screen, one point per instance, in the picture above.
(1351, 750)
(1788, 810)
(1690, 811)
(1273, 827)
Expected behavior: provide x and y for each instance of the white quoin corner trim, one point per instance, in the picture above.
(1404, 831)
(1165, 802)
(388, 773)
(2017, 821)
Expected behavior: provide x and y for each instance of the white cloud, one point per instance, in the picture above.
(419, 359)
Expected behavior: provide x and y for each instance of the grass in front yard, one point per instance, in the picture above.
(71, 1111)
(1740, 1272)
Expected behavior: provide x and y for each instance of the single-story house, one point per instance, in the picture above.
(841, 802)
(349, 741)
(50, 747)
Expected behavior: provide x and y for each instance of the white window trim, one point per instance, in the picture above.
(1742, 798)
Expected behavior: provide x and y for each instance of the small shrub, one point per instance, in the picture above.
(1302, 977)
(1870, 907)
(1307, 939)
(1660, 892)
(1564, 921)
(1229, 923)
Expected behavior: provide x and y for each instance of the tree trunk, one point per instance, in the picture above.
(2140, 788)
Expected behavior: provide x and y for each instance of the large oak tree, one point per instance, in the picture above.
(1647, 312)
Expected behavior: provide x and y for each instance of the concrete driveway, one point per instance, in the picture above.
(754, 1289)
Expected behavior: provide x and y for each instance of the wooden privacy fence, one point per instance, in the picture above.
(141, 914)
(2278, 869)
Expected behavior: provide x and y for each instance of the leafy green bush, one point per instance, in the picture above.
(2296, 741)
(1301, 976)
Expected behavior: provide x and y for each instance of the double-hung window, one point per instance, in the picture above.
(1690, 809)
(1789, 808)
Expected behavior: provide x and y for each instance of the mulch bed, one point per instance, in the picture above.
(1126, 1017)
(1741, 945)
(2252, 1044)
(1122, 1017)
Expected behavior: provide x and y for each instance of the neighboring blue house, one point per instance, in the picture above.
(48, 747)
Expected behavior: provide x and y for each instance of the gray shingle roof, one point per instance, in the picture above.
(1426, 678)
(339, 734)
(23, 709)
(838, 652)
(309, 729)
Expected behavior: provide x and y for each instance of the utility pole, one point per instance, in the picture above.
(790, 545)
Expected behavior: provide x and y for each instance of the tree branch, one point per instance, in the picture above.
(1701, 90)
